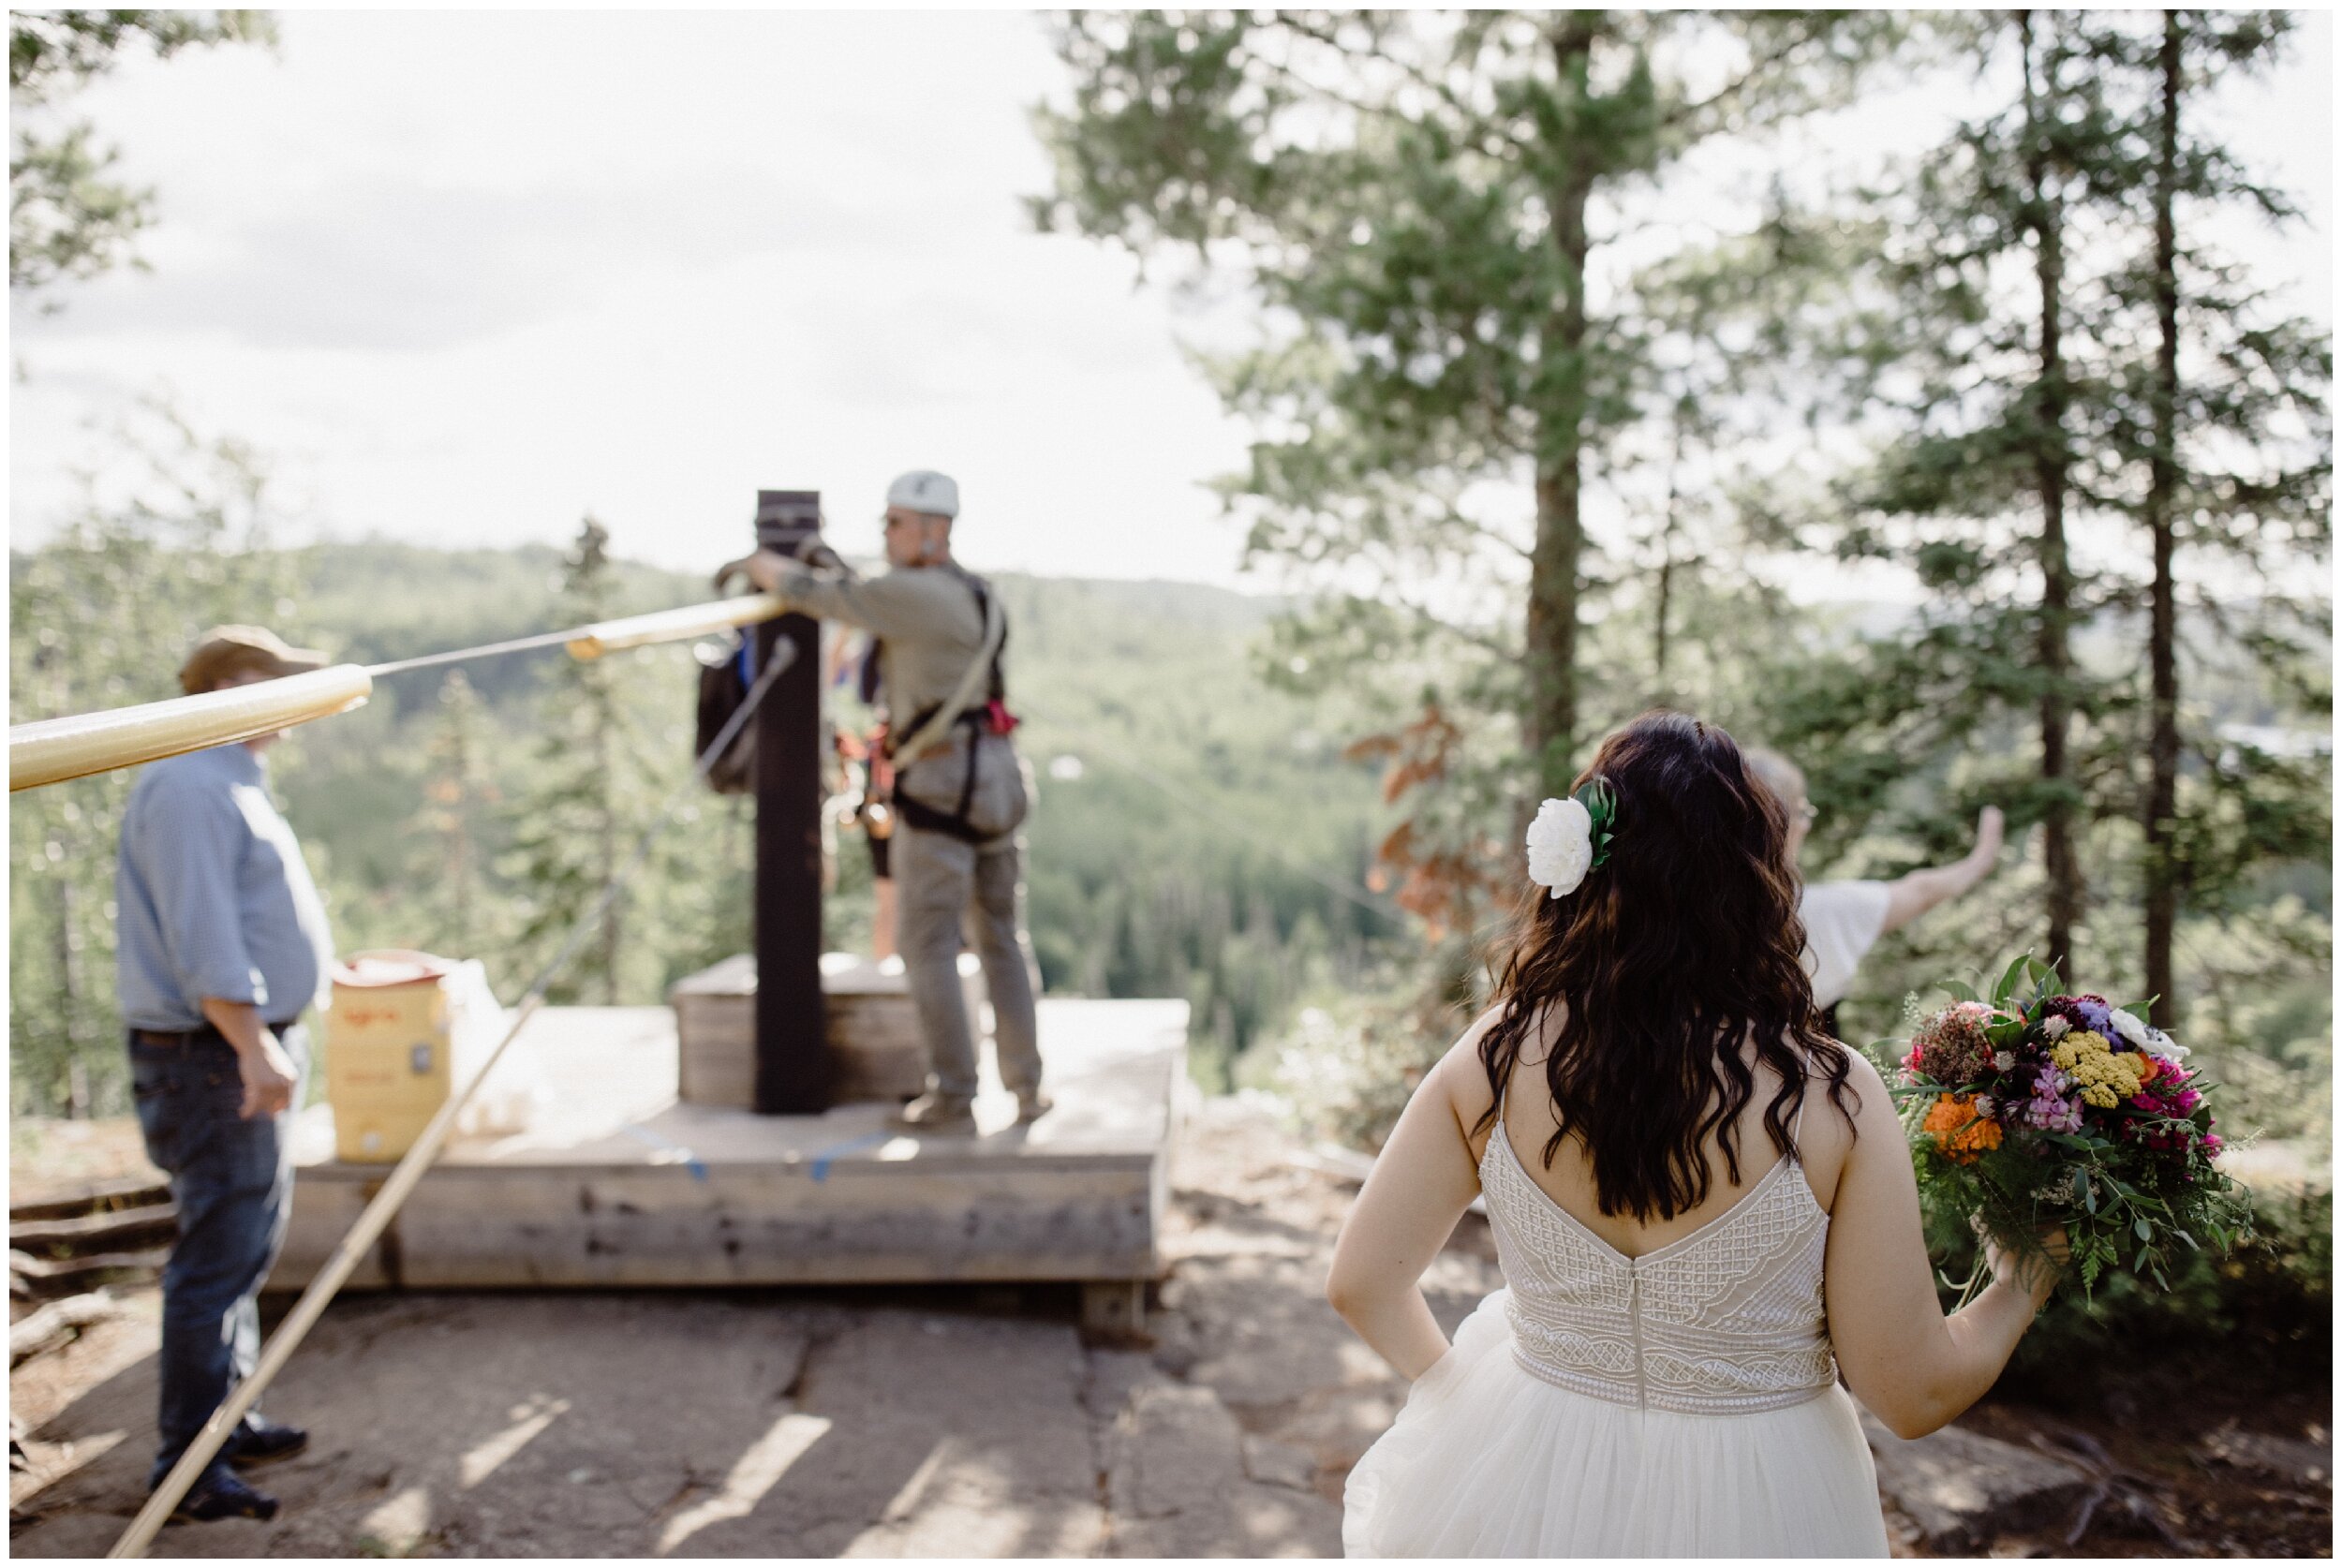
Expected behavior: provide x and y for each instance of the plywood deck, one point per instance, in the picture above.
(616, 1183)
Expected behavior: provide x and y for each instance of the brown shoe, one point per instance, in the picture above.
(938, 1114)
(1032, 1106)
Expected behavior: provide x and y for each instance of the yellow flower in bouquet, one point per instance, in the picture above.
(2106, 1077)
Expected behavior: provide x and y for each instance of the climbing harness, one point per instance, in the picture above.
(932, 724)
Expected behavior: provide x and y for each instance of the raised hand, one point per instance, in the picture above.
(1991, 827)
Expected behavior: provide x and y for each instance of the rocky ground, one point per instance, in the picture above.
(978, 1422)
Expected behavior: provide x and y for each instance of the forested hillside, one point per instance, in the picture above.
(1189, 819)
(1198, 831)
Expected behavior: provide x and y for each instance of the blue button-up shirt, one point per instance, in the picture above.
(212, 897)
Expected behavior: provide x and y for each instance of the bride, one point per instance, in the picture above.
(1703, 1206)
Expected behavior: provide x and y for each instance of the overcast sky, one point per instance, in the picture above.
(463, 277)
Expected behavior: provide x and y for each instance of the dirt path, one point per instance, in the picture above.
(966, 1422)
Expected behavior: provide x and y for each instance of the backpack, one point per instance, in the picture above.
(726, 673)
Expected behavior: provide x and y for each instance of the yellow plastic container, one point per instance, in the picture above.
(389, 1052)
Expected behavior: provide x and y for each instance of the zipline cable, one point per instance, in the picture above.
(51, 751)
(401, 1180)
(485, 650)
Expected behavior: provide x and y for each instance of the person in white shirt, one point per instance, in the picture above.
(1844, 920)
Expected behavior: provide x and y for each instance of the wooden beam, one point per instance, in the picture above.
(87, 1230)
(792, 1068)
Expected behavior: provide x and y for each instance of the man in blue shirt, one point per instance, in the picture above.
(222, 946)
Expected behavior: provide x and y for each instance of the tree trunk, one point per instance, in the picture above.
(455, 699)
(2163, 803)
(2064, 900)
(69, 988)
(1549, 728)
(1660, 691)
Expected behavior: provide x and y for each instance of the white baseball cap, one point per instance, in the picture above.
(925, 490)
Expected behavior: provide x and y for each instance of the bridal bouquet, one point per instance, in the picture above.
(2030, 1108)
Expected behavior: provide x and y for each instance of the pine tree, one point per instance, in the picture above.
(565, 838)
(1991, 360)
(2104, 464)
(2229, 422)
(70, 216)
(449, 864)
(101, 616)
(1412, 194)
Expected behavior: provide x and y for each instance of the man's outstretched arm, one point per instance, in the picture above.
(1913, 894)
(878, 604)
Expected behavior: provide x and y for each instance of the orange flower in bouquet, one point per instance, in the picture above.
(1961, 1130)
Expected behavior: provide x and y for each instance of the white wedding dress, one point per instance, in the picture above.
(1683, 1403)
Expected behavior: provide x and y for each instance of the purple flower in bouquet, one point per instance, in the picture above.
(2082, 1012)
(2049, 1109)
(2052, 1114)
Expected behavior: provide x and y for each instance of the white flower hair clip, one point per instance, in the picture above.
(1571, 838)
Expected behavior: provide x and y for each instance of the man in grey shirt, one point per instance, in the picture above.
(222, 946)
(960, 790)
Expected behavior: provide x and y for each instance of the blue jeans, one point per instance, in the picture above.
(233, 1182)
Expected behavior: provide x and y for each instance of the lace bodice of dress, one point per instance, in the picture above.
(1725, 1320)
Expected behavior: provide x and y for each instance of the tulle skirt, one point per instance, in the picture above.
(1488, 1461)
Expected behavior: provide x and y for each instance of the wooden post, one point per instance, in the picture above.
(792, 1068)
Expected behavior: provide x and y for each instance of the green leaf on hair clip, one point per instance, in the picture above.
(1601, 804)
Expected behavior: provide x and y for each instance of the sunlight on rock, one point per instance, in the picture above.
(400, 1522)
(906, 1500)
(966, 1528)
(756, 1473)
(527, 1421)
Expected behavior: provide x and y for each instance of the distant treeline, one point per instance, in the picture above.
(1188, 821)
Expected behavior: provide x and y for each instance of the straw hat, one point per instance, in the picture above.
(232, 650)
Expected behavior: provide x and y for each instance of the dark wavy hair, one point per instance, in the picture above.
(1673, 958)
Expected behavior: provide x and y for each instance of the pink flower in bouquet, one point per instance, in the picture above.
(2054, 1113)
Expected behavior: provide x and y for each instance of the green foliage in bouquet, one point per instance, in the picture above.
(2258, 1320)
(2029, 1109)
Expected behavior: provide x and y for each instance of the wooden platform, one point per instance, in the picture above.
(617, 1184)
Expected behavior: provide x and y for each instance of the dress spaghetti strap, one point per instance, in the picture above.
(1796, 1123)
